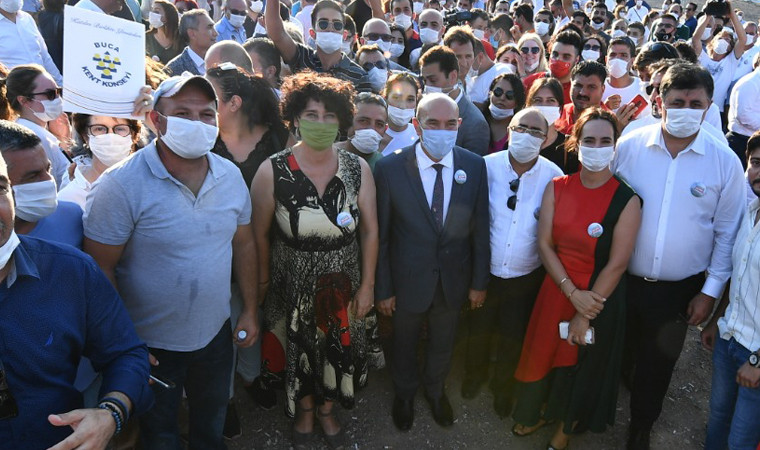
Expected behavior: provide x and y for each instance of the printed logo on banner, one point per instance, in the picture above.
(106, 66)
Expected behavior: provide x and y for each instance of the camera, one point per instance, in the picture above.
(454, 18)
(717, 8)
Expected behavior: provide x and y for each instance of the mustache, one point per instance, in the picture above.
(582, 97)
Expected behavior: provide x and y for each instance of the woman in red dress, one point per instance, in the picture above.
(587, 228)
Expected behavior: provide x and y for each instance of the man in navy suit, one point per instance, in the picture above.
(432, 202)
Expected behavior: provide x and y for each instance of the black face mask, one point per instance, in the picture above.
(663, 37)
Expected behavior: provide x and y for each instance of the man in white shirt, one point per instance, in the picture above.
(733, 334)
(516, 182)
(487, 71)
(744, 113)
(431, 32)
(621, 87)
(694, 193)
(197, 29)
(21, 41)
(638, 13)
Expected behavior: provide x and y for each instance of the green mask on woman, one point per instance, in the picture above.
(318, 135)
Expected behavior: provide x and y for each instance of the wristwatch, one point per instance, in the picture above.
(754, 360)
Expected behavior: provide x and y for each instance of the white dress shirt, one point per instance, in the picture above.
(744, 110)
(428, 174)
(22, 43)
(400, 139)
(692, 206)
(742, 318)
(514, 234)
(197, 60)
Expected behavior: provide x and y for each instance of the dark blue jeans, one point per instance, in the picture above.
(734, 410)
(205, 376)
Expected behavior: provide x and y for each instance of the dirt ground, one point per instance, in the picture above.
(681, 425)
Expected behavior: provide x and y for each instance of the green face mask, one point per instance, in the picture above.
(318, 135)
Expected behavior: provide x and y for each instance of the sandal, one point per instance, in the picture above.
(335, 441)
(527, 431)
(302, 440)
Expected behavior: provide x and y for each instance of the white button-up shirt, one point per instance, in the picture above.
(744, 112)
(428, 174)
(197, 60)
(22, 43)
(742, 318)
(514, 234)
(692, 206)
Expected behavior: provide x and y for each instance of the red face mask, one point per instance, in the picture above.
(559, 69)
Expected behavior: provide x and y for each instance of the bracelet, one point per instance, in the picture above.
(563, 280)
(114, 410)
(571, 293)
(120, 404)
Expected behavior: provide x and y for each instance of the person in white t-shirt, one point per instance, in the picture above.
(402, 93)
(621, 87)
(487, 70)
(638, 13)
(720, 56)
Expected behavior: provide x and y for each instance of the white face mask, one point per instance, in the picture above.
(480, 34)
(257, 6)
(597, 26)
(639, 3)
(595, 159)
(623, 15)
(417, 7)
(523, 147)
(618, 68)
(707, 33)
(430, 89)
(377, 78)
(500, 113)
(541, 28)
(590, 55)
(155, 20)
(397, 50)
(721, 48)
(346, 46)
(429, 36)
(683, 122)
(6, 251)
(53, 110)
(35, 201)
(385, 47)
(329, 42)
(618, 33)
(190, 139)
(236, 20)
(11, 6)
(511, 68)
(750, 39)
(438, 143)
(675, 15)
(403, 21)
(260, 30)
(110, 148)
(400, 116)
(532, 66)
(550, 113)
(366, 141)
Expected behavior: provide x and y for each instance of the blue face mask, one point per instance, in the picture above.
(494, 42)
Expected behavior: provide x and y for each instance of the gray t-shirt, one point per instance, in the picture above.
(174, 273)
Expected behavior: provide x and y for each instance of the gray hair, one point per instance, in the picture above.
(190, 20)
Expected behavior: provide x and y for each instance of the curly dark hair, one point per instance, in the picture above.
(259, 100)
(335, 94)
(589, 114)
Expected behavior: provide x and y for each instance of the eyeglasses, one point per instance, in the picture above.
(595, 48)
(99, 130)
(324, 24)
(50, 94)
(382, 65)
(534, 50)
(498, 92)
(514, 185)
(8, 406)
(378, 36)
(531, 131)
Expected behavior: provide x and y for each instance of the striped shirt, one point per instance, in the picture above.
(742, 318)
(346, 70)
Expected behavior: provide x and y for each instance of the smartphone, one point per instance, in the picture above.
(641, 104)
(166, 384)
(564, 329)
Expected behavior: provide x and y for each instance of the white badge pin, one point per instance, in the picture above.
(595, 230)
(344, 219)
(698, 189)
(460, 176)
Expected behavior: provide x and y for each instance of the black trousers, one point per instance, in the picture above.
(442, 323)
(655, 333)
(505, 314)
(738, 143)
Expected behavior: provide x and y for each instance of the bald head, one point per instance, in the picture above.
(530, 118)
(376, 26)
(431, 15)
(228, 51)
(437, 110)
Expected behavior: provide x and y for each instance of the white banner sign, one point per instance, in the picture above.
(105, 63)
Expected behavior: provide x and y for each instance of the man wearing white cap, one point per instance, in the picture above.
(167, 227)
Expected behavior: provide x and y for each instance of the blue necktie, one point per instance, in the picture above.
(437, 205)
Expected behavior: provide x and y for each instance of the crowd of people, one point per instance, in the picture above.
(577, 183)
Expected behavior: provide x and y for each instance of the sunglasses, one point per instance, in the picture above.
(498, 92)
(534, 50)
(382, 65)
(237, 12)
(324, 25)
(514, 185)
(50, 94)
(8, 406)
(595, 48)
(378, 36)
(99, 130)
(651, 88)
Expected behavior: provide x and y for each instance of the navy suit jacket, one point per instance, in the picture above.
(180, 64)
(414, 254)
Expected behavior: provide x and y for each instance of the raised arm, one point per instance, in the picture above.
(276, 31)
(567, 5)
(696, 38)
(741, 35)
(377, 10)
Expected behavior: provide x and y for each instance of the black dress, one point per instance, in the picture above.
(271, 142)
(555, 153)
(153, 48)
